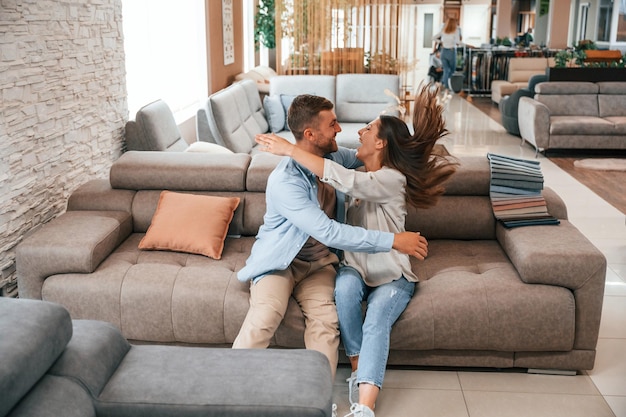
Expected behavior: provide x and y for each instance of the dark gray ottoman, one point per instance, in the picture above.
(155, 381)
(118, 379)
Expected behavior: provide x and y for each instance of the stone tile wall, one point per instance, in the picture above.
(63, 109)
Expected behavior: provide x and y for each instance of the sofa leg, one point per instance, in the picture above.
(551, 371)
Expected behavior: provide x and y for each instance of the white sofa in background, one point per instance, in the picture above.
(233, 116)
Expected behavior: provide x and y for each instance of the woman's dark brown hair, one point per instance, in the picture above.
(413, 155)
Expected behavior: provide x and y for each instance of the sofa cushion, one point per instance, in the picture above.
(208, 147)
(619, 123)
(319, 85)
(185, 381)
(34, 334)
(55, 396)
(286, 100)
(363, 97)
(154, 129)
(274, 112)
(521, 69)
(235, 115)
(94, 234)
(180, 171)
(471, 297)
(190, 223)
(580, 125)
(93, 354)
(569, 104)
(612, 98)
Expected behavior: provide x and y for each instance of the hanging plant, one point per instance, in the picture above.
(265, 25)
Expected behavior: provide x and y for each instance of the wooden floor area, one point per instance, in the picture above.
(609, 185)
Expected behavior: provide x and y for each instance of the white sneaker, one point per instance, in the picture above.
(360, 410)
(353, 389)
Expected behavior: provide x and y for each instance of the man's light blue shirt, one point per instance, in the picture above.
(294, 213)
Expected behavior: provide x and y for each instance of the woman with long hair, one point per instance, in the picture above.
(449, 37)
(400, 169)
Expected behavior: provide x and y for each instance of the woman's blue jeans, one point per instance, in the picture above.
(369, 338)
(448, 61)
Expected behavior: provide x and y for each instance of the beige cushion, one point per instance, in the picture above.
(190, 223)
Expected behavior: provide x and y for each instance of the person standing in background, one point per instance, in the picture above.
(450, 37)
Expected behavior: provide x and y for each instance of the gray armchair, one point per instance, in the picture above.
(508, 105)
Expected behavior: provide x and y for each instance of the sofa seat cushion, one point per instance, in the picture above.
(470, 297)
(161, 296)
(619, 122)
(187, 381)
(580, 125)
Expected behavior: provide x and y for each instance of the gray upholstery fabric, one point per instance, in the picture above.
(154, 129)
(235, 115)
(48, 371)
(575, 115)
(94, 235)
(505, 286)
(319, 85)
(361, 97)
(158, 170)
(92, 356)
(155, 381)
(509, 105)
(33, 336)
(54, 397)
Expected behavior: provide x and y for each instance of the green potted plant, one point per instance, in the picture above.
(570, 65)
(265, 24)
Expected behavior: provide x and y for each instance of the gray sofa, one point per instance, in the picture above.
(233, 116)
(527, 297)
(574, 115)
(54, 366)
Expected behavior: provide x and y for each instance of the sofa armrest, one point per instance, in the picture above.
(534, 122)
(74, 242)
(561, 256)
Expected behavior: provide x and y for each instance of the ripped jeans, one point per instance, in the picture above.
(369, 338)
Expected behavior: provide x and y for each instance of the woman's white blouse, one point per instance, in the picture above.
(377, 203)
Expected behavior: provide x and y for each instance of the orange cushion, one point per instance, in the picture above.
(190, 223)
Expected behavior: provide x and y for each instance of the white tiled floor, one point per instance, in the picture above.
(598, 393)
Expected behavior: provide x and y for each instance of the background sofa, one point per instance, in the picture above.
(519, 72)
(53, 366)
(233, 116)
(527, 297)
(574, 115)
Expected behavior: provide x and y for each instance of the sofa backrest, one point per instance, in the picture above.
(235, 115)
(363, 97)
(612, 98)
(521, 69)
(137, 179)
(154, 129)
(569, 98)
(292, 85)
(34, 335)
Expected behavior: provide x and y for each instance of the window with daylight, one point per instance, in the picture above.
(165, 48)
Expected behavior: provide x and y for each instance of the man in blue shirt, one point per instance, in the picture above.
(292, 255)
